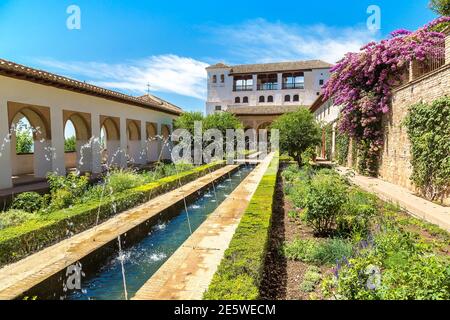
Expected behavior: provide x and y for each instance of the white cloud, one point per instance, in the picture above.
(262, 41)
(165, 73)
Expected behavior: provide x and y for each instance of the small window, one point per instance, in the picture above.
(287, 98)
(262, 99)
(317, 93)
(237, 100)
(321, 82)
(218, 108)
(296, 98)
(214, 79)
(245, 100)
(270, 99)
(222, 78)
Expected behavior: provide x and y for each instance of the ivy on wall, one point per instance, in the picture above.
(428, 127)
(342, 146)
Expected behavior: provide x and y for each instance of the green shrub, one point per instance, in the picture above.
(318, 252)
(311, 279)
(121, 180)
(326, 197)
(28, 201)
(358, 210)
(14, 217)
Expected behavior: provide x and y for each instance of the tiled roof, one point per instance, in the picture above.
(262, 110)
(218, 66)
(280, 66)
(14, 70)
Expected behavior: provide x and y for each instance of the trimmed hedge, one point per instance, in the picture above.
(34, 235)
(240, 273)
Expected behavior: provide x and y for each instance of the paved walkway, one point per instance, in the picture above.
(20, 277)
(189, 271)
(413, 204)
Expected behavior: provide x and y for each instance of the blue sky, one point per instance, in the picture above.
(124, 45)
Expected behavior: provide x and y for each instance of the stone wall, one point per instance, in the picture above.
(395, 166)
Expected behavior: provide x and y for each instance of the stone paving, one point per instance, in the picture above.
(188, 273)
(416, 206)
(16, 279)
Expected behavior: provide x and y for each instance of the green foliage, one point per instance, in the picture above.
(359, 208)
(187, 120)
(319, 252)
(298, 131)
(70, 144)
(65, 190)
(240, 272)
(342, 148)
(121, 180)
(13, 218)
(428, 127)
(311, 279)
(441, 7)
(24, 142)
(222, 121)
(328, 129)
(324, 202)
(28, 201)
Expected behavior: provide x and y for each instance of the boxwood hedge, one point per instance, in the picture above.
(240, 273)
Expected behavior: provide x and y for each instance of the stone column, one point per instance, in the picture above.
(143, 149)
(255, 82)
(57, 132)
(123, 143)
(95, 143)
(5, 148)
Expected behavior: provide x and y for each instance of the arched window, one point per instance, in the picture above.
(270, 99)
(296, 98)
(222, 78)
(237, 100)
(262, 99)
(245, 100)
(287, 98)
(214, 79)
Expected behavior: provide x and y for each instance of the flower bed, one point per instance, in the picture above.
(352, 246)
(240, 272)
(19, 241)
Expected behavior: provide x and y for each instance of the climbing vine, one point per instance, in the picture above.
(428, 127)
(362, 83)
(342, 147)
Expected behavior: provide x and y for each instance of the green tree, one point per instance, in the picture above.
(222, 121)
(441, 7)
(24, 142)
(186, 121)
(298, 131)
(70, 144)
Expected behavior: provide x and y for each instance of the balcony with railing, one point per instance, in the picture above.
(242, 87)
(268, 86)
(418, 69)
(289, 86)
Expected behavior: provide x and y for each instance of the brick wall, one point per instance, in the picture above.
(395, 163)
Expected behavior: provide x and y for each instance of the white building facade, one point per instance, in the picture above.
(286, 84)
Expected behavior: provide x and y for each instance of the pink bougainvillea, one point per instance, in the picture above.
(362, 83)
